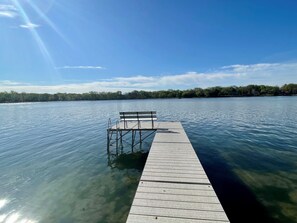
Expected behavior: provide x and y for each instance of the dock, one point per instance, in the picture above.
(174, 187)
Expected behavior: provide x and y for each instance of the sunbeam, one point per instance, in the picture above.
(34, 33)
(47, 20)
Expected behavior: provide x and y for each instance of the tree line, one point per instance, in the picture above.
(232, 91)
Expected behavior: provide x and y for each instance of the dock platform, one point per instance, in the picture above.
(174, 187)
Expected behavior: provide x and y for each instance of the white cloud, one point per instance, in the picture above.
(269, 73)
(195, 78)
(135, 79)
(8, 7)
(8, 11)
(29, 25)
(82, 67)
(8, 14)
(252, 68)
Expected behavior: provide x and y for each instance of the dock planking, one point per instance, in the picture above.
(174, 187)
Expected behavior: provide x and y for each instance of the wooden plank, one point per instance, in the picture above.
(172, 158)
(169, 125)
(164, 145)
(175, 175)
(173, 168)
(170, 139)
(175, 179)
(174, 185)
(173, 162)
(199, 175)
(173, 152)
(162, 156)
(177, 197)
(159, 219)
(189, 165)
(179, 213)
(178, 204)
(157, 190)
(181, 171)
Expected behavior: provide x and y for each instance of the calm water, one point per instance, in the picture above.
(54, 166)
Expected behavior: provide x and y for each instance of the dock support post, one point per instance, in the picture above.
(117, 141)
(108, 141)
(133, 138)
(121, 138)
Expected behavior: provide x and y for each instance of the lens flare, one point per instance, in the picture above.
(47, 20)
(37, 38)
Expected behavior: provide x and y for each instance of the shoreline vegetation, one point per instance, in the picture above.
(232, 91)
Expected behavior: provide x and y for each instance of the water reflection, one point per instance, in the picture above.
(11, 216)
(134, 160)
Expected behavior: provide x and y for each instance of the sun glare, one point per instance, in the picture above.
(47, 20)
(28, 24)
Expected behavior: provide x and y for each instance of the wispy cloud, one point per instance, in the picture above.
(11, 11)
(8, 11)
(29, 25)
(82, 67)
(268, 73)
(252, 67)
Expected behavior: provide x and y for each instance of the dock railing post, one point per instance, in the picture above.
(152, 119)
(138, 121)
(124, 120)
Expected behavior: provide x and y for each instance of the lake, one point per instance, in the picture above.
(54, 166)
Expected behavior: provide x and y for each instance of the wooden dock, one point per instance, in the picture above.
(174, 187)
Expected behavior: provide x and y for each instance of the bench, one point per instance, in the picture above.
(138, 117)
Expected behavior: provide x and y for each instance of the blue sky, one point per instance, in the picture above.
(93, 45)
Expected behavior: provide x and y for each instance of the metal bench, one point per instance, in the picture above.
(138, 117)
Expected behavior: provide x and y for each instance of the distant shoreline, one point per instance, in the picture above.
(212, 92)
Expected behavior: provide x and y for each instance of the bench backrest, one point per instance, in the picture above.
(140, 115)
